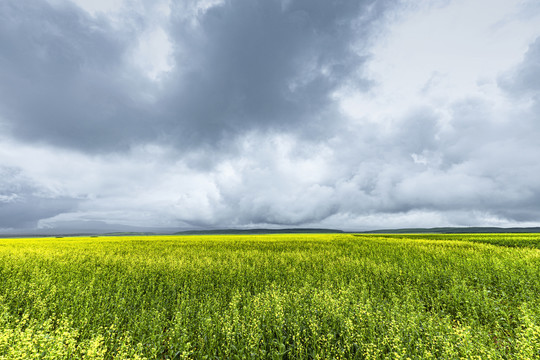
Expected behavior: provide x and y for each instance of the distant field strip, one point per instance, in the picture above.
(508, 239)
(299, 296)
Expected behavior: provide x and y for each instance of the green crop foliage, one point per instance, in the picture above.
(301, 296)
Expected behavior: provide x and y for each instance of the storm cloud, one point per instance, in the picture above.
(242, 113)
(69, 78)
(23, 204)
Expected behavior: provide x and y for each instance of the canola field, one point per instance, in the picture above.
(331, 296)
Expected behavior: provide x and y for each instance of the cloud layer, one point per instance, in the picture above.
(73, 80)
(347, 114)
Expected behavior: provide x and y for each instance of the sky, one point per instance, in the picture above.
(196, 114)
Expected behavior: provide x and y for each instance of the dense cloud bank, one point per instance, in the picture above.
(69, 77)
(238, 113)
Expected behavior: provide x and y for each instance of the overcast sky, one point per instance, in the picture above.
(349, 114)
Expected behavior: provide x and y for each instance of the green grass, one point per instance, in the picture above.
(300, 296)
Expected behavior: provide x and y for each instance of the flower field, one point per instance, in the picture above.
(300, 296)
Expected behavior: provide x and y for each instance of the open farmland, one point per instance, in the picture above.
(281, 296)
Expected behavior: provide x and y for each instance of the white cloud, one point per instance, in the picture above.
(153, 56)
(436, 54)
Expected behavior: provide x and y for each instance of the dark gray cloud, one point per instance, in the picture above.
(63, 80)
(265, 65)
(66, 78)
(23, 203)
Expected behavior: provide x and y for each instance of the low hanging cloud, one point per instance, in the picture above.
(23, 203)
(243, 113)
